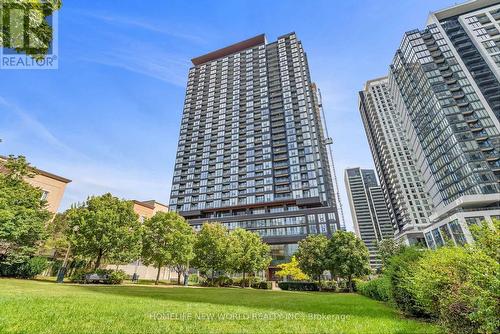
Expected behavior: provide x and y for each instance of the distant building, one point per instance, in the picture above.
(52, 185)
(444, 86)
(401, 182)
(369, 211)
(146, 210)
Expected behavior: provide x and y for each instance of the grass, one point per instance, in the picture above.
(45, 307)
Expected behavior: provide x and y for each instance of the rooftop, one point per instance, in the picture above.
(228, 50)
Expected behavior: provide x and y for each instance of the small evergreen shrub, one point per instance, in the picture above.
(329, 286)
(298, 286)
(27, 269)
(109, 276)
(265, 285)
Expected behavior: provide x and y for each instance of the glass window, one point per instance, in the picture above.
(429, 240)
(437, 237)
(457, 232)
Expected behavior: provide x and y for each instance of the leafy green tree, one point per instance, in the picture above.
(57, 240)
(387, 248)
(104, 227)
(167, 240)
(211, 249)
(248, 252)
(23, 214)
(291, 270)
(32, 15)
(347, 257)
(487, 238)
(311, 255)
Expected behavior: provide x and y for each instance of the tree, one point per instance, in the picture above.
(347, 256)
(311, 255)
(23, 214)
(57, 240)
(291, 270)
(487, 238)
(167, 240)
(211, 249)
(104, 227)
(387, 248)
(33, 14)
(248, 252)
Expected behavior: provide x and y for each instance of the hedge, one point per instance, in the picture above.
(378, 289)
(112, 276)
(299, 286)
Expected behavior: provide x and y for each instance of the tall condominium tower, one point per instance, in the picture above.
(445, 90)
(368, 208)
(408, 203)
(252, 152)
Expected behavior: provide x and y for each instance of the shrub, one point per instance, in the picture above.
(298, 286)
(343, 286)
(34, 266)
(399, 272)
(249, 281)
(112, 276)
(378, 289)
(329, 286)
(266, 285)
(28, 269)
(223, 281)
(460, 287)
(193, 278)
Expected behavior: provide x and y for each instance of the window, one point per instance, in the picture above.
(45, 194)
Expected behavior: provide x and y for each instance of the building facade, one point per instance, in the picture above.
(402, 185)
(370, 216)
(445, 89)
(52, 185)
(251, 151)
(146, 210)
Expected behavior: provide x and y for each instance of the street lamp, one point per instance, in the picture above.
(62, 271)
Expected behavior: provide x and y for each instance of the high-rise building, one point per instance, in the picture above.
(445, 89)
(252, 152)
(369, 212)
(408, 203)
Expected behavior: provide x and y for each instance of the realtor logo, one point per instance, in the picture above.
(29, 34)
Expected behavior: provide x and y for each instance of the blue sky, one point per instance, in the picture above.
(109, 117)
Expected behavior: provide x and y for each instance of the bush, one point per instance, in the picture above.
(460, 287)
(249, 281)
(193, 278)
(298, 286)
(34, 266)
(378, 289)
(343, 286)
(329, 286)
(28, 269)
(265, 285)
(398, 273)
(111, 276)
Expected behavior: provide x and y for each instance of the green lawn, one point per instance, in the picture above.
(44, 307)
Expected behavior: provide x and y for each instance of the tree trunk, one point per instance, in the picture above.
(244, 283)
(98, 261)
(319, 280)
(213, 276)
(350, 283)
(158, 274)
(179, 277)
